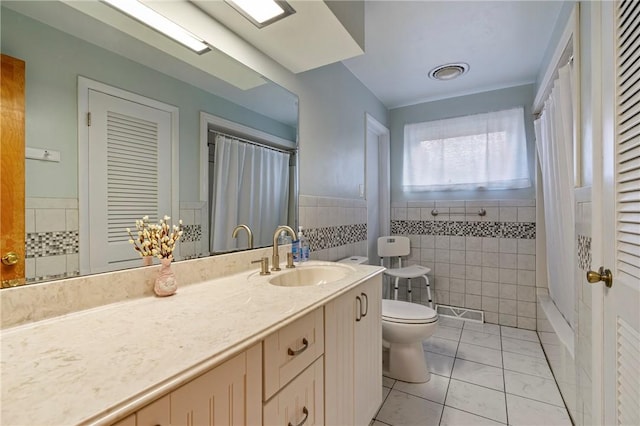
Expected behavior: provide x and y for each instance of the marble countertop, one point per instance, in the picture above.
(94, 366)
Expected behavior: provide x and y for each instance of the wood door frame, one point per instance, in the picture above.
(84, 85)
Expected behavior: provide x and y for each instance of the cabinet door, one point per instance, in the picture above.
(368, 353)
(301, 402)
(340, 319)
(230, 394)
(158, 413)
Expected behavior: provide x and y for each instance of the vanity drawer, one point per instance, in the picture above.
(300, 402)
(291, 349)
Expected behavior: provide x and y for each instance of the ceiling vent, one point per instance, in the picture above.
(449, 71)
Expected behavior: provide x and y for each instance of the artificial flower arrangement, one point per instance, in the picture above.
(156, 239)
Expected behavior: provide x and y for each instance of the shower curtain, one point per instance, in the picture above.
(554, 143)
(250, 186)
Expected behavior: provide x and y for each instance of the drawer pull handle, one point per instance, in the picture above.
(366, 303)
(305, 345)
(358, 308)
(306, 416)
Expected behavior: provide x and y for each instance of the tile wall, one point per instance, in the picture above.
(52, 244)
(193, 243)
(478, 262)
(336, 227)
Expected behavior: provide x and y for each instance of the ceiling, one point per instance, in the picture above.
(504, 43)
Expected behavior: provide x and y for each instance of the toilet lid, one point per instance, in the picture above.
(406, 312)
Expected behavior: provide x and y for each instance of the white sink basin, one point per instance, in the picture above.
(310, 275)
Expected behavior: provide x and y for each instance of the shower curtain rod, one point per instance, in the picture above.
(250, 142)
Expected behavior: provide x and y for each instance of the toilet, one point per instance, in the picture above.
(404, 326)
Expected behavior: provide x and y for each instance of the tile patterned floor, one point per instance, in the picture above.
(481, 374)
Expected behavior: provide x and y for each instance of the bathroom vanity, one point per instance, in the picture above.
(233, 350)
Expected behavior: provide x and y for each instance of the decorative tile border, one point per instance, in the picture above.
(335, 236)
(41, 244)
(191, 233)
(584, 252)
(65, 275)
(524, 230)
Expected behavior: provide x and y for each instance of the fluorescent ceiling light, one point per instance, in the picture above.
(262, 12)
(150, 17)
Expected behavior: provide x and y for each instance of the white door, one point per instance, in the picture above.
(620, 176)
(376, 185)
(129, 176)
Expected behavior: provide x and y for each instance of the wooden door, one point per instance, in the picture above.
(12, 171)
(619, 178)
(368, 353)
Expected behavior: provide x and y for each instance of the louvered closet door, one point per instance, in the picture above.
(622, 301)
(129, 175)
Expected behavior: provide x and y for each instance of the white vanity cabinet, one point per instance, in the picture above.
(353, 355)
(229, 394)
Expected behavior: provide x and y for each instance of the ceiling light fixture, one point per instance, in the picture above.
(262, 12)
(449, 71)
(153, 19)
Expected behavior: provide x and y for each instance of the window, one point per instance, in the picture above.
(482, 151)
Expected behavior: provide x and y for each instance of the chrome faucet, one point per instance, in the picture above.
(249, 233)
(276, 257)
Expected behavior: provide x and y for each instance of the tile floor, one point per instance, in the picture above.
(481, 374)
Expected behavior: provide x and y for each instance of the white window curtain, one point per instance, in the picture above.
(554, 142)
(481, 151)
(251, 186)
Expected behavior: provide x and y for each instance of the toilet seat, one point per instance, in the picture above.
(407, 313)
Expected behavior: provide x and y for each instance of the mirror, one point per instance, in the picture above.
(59, 43)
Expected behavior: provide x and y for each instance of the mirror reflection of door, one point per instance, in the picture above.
(129, 176)
(12, 157)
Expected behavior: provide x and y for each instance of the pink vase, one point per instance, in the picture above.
(166, 284)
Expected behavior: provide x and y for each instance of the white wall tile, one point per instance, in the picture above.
(457, 285)
(427, 241)
(51, 265)
(413, 213)
(527, 323)
(49, 220)
(526, 214)
(508, 291)
(458, 257)
(472, 301)
(508, 276)
(490, 289)
(527, 309)
(473, 243)
(458, 271)
(73, 263)
(457, 243)
(490, 259)
(527, 277)
(508, 260)
(490, 274)
(442, 255)
(443, 283)
(491, 317)
(474, 272)
(527, 261)
(509, 307)
(473, 287)
(442, 242)
(30, 221)
(526, 293)
(508, 245)
(491, 245)
(428, 255)
(442, 269)
(490, 304)
(456, 299)
(508, 214)
(508, 320)
(473, 258)
(526, 246)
